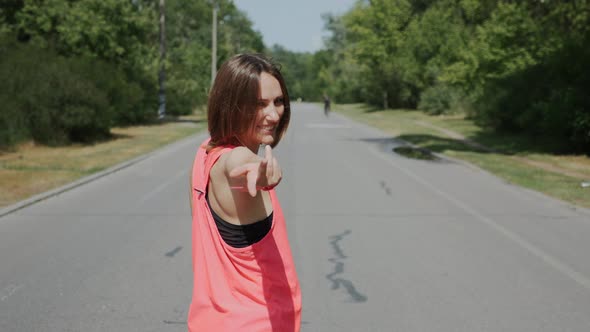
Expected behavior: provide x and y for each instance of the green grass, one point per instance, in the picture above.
(557, 175)
(29, 169)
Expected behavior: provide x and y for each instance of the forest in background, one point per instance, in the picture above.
(72, 69)
(513, 66)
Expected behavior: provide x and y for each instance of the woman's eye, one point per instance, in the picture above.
(261, 104)
(279, 101)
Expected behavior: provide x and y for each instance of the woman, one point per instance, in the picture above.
(244, 276)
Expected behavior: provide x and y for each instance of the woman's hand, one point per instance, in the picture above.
(263, 174)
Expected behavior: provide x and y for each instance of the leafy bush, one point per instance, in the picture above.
(126, 99)
(549, 99)
(65, 105)
(13, 127)
(187, 78)
(441, 99)
(13, 123)
(180, 96)
(580, 135)
(55, 99)
(50, 98)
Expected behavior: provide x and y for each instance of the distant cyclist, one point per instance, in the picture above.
(326, 104)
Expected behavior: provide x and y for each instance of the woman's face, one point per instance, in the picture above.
(268, 114)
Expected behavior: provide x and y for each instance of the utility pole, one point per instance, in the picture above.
(162, 73)
(214, 43)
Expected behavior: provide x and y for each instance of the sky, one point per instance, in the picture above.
(296, 25)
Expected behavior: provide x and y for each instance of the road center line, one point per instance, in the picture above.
(162, 186)
(552, 261)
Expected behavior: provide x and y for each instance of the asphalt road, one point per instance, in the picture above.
(381, 243)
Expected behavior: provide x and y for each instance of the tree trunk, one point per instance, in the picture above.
(162, 73)
(214, 43)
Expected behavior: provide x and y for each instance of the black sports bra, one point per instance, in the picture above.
(240, 236)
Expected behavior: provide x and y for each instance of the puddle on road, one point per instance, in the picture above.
(414, 153)
(401, 148)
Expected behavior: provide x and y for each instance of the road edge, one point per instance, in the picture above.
(540, 195)
(89, 178)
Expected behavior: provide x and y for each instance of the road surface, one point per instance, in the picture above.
(381, 243)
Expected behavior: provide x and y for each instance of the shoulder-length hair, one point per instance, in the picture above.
(234, 99)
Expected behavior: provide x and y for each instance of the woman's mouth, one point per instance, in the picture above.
(267, 129)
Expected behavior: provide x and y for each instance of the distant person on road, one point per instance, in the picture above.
(244, 275)
(326, 104)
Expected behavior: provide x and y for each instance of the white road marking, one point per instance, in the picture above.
(547, 258)
(164, 185)
(327, 126)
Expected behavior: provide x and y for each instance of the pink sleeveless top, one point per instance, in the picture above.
(239, 289)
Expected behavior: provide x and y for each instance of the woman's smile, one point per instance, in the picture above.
(268, 130)
(270, 110)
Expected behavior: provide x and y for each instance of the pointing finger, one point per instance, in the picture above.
(270, 170)
(269, 158)
(268, 153)
(252, 178)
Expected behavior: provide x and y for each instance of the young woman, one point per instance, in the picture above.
(244, 276)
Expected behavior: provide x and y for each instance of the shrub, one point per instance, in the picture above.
(441, 99)
(13, 126)
(549, 99)
(57, 100)
(47, 97)
(65, 105)
(13, 123)
(125, 98)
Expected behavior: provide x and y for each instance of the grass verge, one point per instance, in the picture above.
(514, 158)
(32, 169)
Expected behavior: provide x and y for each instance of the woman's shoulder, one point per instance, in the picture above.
(217, 151)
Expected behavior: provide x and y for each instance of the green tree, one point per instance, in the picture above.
(514, 65)
(119, 33)
(375, 34)
(189, 48)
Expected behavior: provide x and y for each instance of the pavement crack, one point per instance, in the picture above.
(386, 188)
(173, 251)
(339, 264)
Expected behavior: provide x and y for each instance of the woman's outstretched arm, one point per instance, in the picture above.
(245, 170)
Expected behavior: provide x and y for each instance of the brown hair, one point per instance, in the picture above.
(233, 100)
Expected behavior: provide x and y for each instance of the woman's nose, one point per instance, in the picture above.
(272, 113)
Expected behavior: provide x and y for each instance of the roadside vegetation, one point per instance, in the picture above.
(517, 159)
(73, 70)
(34, 168)
(79, 88)
(518, 68)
